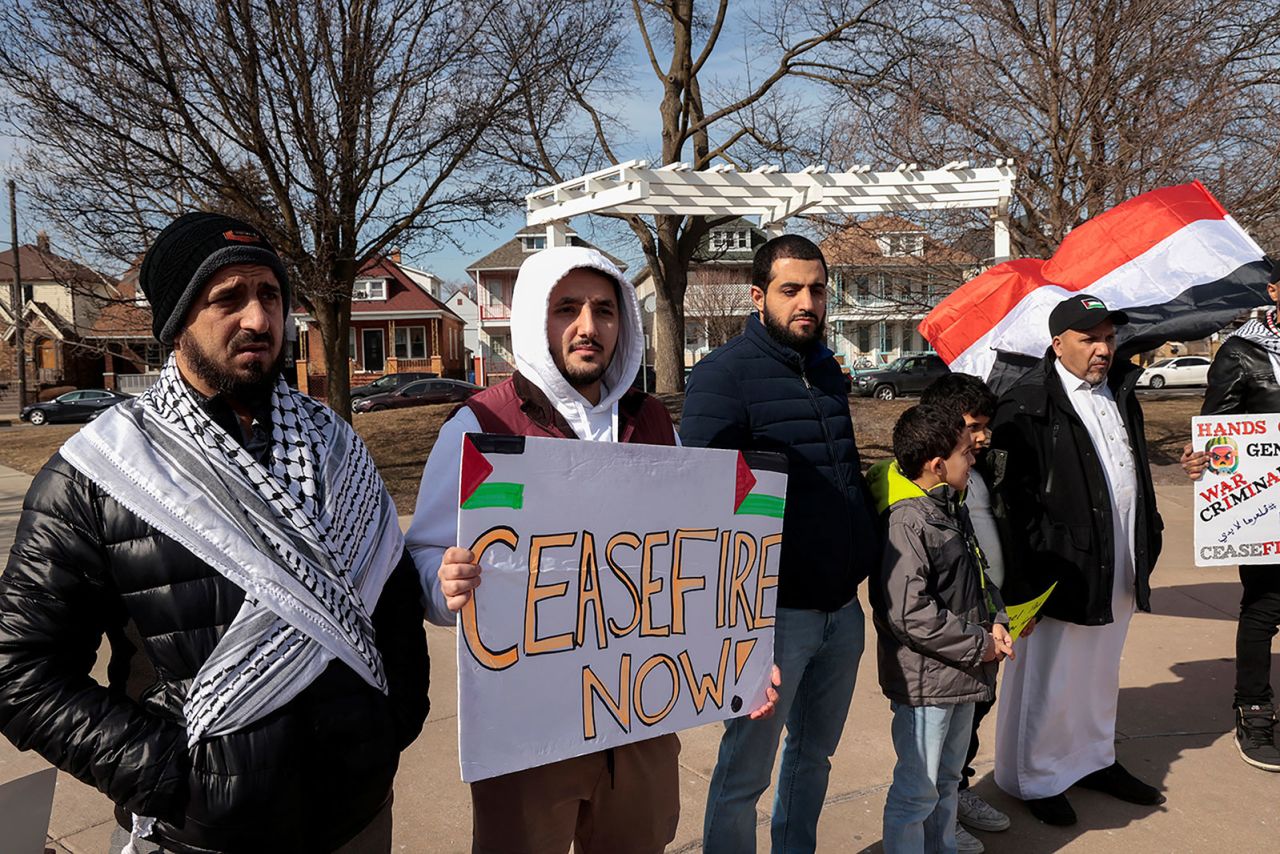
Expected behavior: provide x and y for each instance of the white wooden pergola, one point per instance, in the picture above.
(773, 196)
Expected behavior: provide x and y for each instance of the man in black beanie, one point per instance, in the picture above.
(199, 268)
(234, 542)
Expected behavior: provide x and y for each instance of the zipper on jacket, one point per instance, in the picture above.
(831, 452)
(1053, 453)
(826, 436)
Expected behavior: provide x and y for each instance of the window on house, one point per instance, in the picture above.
(887, 342)
(497, 290)
(904, 243)
(835, 293)
(532, 243)
(369, 289)
(411, 342)
(730, 239)
(864, 338)
(692, 334)
(154, 356)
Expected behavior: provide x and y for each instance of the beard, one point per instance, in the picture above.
(1096, 373)
(580, 376)
(781, 332)
(246, 384)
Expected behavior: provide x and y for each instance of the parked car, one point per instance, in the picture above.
(418, 394)
(1181, 370)
(388, 383)
(906, 375)
(80, 405)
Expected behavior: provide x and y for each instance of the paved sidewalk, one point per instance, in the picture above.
(1175, 717)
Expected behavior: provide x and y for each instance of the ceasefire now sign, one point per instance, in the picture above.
(627, 591)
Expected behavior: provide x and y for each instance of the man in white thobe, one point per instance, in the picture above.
(1077, 506)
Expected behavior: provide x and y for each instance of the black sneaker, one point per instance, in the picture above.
(1256, 736)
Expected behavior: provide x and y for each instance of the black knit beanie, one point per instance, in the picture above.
(186, 255)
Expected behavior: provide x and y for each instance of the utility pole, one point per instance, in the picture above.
(16, 301)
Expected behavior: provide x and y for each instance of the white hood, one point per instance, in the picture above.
(539, 274)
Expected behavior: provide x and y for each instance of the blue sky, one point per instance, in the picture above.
(639, 111)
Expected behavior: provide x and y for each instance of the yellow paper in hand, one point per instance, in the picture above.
(1020, 615)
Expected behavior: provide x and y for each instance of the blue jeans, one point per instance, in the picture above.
(818, 654)
(920, 811)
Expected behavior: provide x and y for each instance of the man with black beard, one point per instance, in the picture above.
(578, 341)
(235, 544)
(776, 387)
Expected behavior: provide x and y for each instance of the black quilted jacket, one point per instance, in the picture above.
(756, 394)
(307, 777)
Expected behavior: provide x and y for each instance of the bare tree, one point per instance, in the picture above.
(1094, 100)
(703, 121)
(339, 127)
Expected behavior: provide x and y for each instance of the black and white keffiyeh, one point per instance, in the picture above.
(1266, 334)
(311, 536)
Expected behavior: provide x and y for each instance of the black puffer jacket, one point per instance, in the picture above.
(305, 778)
(756, 394)
(1241, 380)
(1050, 496)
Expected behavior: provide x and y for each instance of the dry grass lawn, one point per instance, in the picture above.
(401, 439)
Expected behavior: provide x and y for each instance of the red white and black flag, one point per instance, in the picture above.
(1173, 259)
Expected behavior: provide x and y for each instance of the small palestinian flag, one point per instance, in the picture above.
(1173, 259)
(474, 493)
(749, 503)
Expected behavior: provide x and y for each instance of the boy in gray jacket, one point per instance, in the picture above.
(940, 624)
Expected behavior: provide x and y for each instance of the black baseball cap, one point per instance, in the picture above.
(1082, 312)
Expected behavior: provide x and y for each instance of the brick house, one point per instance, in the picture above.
(131, 356)
(61, 300)
(396, 325)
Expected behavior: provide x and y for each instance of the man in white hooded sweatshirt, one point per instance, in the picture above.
(575, 329)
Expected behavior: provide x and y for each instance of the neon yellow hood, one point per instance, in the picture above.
(889, 485)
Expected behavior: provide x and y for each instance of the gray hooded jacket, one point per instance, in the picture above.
(931, 608)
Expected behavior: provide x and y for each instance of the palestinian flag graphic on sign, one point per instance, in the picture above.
(747, 502)
(475, 492)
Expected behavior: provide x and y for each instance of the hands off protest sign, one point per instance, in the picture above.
(1237, 501)
(627, 591)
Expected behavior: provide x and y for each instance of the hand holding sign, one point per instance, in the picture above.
(459, 575)
(1022, 616)
(1194, 462)
(771, 697)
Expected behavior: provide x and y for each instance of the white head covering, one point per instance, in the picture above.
(539, 274)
